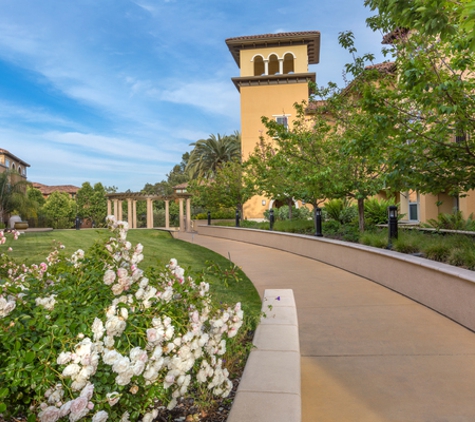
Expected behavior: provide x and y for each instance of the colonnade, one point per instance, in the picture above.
(115, 201)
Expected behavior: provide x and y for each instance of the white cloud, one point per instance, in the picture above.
(214, 97)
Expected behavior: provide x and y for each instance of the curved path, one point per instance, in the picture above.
(367, 353)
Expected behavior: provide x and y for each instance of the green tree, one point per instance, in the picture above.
(13, 194)
(209, 154)
(429, 111)
(60, 209)
(92, 202)
(225, 190)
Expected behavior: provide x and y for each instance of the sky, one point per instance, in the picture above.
(114, 91)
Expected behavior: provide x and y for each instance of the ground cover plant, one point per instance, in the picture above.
(93, 336)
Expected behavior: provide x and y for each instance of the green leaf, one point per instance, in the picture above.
(3, 407)
(29, 357)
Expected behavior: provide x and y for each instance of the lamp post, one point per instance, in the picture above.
(392, 224)
(318, 222)
(271, 219)
(209, 218)
(237, 218)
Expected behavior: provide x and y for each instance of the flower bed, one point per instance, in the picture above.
(95, 337)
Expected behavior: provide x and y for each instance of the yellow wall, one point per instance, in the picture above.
(299, 52)
(267, 100)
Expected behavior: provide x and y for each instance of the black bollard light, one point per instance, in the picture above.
(78, 223)
(271, 218)
(237, 218)
(209, 218)
(318, 222)
(392, 224)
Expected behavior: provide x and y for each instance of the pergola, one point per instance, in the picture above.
(115, 200)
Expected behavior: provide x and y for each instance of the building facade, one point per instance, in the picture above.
(273, 77)
(10, 162)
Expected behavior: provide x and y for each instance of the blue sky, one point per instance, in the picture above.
(114, 91)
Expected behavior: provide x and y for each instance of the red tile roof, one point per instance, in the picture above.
(48, 190)
(5, 152)
(310, 38)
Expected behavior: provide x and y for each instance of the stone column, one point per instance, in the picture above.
(281, 66)
(121, 216)
(134, 214)
(109, 207)
(266, 66)
(182, 229)
(116, 210)
(129, 213)
(188, 214)
(167, 214)
(149, 213)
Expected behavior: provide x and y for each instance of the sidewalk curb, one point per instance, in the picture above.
(270, 389)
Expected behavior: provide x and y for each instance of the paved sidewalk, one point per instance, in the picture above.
(367, 353)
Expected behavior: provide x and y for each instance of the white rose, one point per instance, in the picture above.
(109, 277)
(50, 414)
(79, 409)
(63, 358)
(100, 416)
(71, 370)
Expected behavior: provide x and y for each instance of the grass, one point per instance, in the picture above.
(159, 248)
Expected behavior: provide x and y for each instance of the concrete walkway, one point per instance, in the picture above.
(367, 353)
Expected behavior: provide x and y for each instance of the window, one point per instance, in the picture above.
(273, 65)
(413, 200)
(288, 63)
(282, 120)
(259, 68)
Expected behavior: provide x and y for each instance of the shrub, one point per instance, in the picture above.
(409, 242)
(376, 239)
(376, 211)
(95, 334)
(462, 257)
(437, 250)
(454, 221)
(221, 214)
(340, 210)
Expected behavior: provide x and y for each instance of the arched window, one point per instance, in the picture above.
(13, 166)
(19, 170)
(273, 64)
(289, 63)
(259, 68)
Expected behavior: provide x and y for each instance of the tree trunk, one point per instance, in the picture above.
(361, 214)
(290, 203)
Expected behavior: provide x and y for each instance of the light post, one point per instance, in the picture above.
(209, 218)
(318, 222)
(237, 217)
(392, 224)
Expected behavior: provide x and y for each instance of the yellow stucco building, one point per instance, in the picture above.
(273, 77)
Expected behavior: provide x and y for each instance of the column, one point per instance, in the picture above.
(266, 67)
(121, 216)
(188, 214)
(149, 213)
(129, 213)
(281, 66)
(134, 214)
(109, 207)
(116, 215)
(167, 214)
(180, 218)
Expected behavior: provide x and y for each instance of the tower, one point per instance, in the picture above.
(273, 77)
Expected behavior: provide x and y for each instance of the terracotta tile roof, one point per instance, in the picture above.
(5, 152)
(181, 186)
(310, 38)
(386, 67)
(393, 36)
(48, 190)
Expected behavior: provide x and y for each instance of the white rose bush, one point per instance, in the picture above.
(94, 337)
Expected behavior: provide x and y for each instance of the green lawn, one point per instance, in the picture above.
(159, 248)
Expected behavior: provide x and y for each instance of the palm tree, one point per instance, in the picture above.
(13, 194)
(208, 154)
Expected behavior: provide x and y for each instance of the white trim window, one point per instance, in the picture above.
(282, 119)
